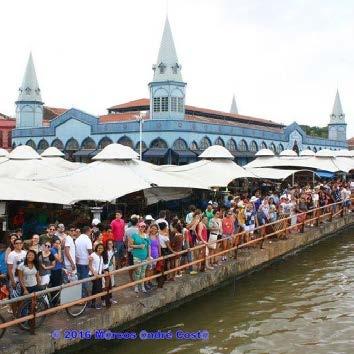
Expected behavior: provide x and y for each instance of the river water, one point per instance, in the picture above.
(304, 304)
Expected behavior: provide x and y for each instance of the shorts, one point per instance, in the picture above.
(120, 249)
(45, 279)
(130, 259)
(249, 228)
(212, 241)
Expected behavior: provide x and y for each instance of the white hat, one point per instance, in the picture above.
(96, 222)
(149, 217)
(210, 202)
(253, 199)
(240, 204)
(284, 196)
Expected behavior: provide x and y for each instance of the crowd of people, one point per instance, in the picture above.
(67, 254)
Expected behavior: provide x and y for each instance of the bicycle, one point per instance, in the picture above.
(47, 301)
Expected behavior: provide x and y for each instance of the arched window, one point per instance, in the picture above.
(272, 147)
(43, 144)
(124, 140)
(309, 148)
(88, 144)
(219, 141)
(137, 146)
(231, 145)
(253, 146)
(264, 145)
(314, 149)
(159, 143)
(204, 143)
(104, 142)
(58, 144)
(72, 145)
(1, 140)
(280, 148)
(13, 145)
(194, 145)
(180, 145)
(31, 143)
(242, 146)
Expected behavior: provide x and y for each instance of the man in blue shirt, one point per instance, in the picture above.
(3, 266)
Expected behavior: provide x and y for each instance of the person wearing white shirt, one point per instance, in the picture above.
(14, 260)
(83, 249)
(69, 254)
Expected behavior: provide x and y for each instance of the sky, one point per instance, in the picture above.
(283, 59)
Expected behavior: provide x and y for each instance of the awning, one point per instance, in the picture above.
(185, 153)
(156, 152)
(243, 153)
(325, 174)
(83, 153)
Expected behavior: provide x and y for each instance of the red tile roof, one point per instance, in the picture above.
(135, 103)
(143, 103)
(50, 113)
(119, 117)
(195, 118)
(5, 117)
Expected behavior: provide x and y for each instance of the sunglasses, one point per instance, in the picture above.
(47, 246)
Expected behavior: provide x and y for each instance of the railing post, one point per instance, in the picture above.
(108, 287)
(32, 322)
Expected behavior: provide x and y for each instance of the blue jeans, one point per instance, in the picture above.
(120, 249)
(83, 273)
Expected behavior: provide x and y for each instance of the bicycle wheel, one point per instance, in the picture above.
(78, 309)
(3, 330)
(25, 310)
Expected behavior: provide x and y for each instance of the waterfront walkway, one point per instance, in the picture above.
(132, 307)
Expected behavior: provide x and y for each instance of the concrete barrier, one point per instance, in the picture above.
(133, 308)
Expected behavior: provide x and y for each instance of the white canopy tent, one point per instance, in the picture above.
(31, 191)
(273, 173)
(216, 169)
(115, 173)
(54, 157)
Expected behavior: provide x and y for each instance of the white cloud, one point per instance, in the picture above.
(282, 58)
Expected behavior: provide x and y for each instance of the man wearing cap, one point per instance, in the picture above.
(118, 230)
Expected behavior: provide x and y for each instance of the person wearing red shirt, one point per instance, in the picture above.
(118, 231)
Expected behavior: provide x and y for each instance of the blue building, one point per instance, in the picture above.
(172, 132)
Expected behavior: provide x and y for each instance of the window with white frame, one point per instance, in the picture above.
(164, 104)
(174, 104)
(242, 145)
(231, 145)
(157, 104)
(180, 104)
(253, 146)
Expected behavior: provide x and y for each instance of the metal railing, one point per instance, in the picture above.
(317, 216)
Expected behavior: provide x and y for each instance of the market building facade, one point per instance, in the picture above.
(169, 130)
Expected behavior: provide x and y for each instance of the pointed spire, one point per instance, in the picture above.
(337, 111)
(337, 107)
(167, 67)
(233, 108)
(29, 90)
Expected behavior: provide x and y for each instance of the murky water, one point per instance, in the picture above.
(302, 305)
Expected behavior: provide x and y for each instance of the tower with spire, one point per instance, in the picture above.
(337, 127)
(29, 105)
(167, 89)
(233, 108)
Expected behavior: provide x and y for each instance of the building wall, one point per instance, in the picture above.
(79, 125)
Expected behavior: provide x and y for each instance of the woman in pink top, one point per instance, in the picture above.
(202, 238)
